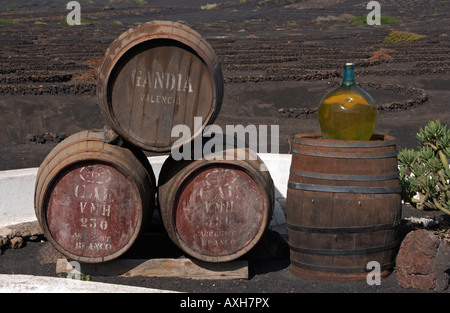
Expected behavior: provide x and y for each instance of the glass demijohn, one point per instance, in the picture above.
(347, 112)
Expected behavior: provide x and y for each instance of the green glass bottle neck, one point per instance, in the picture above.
(349, 74)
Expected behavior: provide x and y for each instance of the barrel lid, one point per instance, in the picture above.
(156, 76)
(314, 139)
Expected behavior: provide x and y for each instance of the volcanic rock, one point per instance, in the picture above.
(423, 262)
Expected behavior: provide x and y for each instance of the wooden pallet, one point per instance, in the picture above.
(182, 267)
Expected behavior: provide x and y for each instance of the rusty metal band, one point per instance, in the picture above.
(344, 144)
(345, 189)
(343, 230)
(338, 252)
(345, 155)
(327, 176)
(342, 270)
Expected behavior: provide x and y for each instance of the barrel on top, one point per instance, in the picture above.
(92, 198)
(343, 206)
(215, 210)
(155, 76)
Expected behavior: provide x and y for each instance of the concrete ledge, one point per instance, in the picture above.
(16, 196)
(39, 284)
(17, 189)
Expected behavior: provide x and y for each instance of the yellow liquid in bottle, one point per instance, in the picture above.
(347, 113)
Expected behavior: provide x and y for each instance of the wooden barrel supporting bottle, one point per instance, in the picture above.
(92, 198)
(343, 207)
(155, 76)
(215, 210)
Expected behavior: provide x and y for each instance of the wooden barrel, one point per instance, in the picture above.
(92, 198)
(215, 210)
(155, 76)
(343, 207)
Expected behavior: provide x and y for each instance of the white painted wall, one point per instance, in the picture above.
(16, 196)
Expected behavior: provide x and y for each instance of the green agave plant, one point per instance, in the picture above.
(425, 174)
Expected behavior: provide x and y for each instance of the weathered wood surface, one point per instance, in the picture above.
(215, 210)
(155, 76)
(92, 199)
(183, 268)
(343, 206)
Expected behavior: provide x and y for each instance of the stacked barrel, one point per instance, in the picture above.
(92, 199)
(96, 190)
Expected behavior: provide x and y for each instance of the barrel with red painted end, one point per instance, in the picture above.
(92, 198)
(155, 76)
(215, 210)
(343, 207)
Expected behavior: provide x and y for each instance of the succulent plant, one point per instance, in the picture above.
(425, 174)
